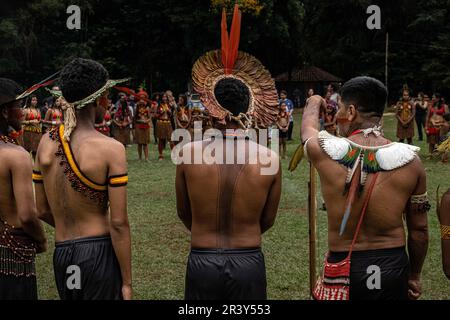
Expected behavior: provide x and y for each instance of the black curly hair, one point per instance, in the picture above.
(81, 78)
(9, 90)
(368, 94)
(233, 95)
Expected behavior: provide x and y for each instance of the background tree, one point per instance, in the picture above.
(158, 41)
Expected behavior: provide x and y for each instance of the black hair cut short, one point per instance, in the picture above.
(233, 95)
(367, 94)
(81, 78)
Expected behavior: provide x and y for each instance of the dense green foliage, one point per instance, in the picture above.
(159, 40)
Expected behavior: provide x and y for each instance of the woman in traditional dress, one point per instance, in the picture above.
(183, 116)
(406, 112)
(153, 109)
(330, 118)
(54, 116)
(435, 122)
(283, 126)
(32, 130)
(142, 121)
(122, 120)
(103, 119)
(173, 107)
(163, 125)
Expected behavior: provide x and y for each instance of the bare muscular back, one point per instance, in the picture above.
(231, 205)
(9, 154)
(74, 214)
(383, 225)
(17, 206)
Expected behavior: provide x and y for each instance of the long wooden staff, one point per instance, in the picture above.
(312, 214)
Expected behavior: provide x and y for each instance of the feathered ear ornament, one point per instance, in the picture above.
(230, 43)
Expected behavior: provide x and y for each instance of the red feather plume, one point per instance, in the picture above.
(230, 42)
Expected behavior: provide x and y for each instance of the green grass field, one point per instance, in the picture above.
(161, 243)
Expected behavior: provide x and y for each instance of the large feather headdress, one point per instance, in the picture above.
(228, 62)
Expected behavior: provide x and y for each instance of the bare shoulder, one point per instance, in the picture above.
(312, 146)
(108, 146)
(14, 156)
(15, 152)
(446, 196)
(315, 153)
(45, 141)
(416, 166)
(46, 149)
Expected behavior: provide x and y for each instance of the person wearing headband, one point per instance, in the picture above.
(81, 190)
(21, 232)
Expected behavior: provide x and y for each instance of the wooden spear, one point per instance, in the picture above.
(312, 214)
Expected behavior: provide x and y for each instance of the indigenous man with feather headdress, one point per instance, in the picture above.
(226, 224)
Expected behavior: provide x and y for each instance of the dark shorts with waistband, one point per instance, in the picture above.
(393, 265)
(100, 277)
(225, 274)
(18, 288)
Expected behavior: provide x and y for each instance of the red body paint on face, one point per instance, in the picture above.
(342, 120)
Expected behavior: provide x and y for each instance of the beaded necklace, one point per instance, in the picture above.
(7, 139)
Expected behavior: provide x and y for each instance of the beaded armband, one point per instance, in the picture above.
(118, 180)
(421, 202)
(37, 177)
(445, 232)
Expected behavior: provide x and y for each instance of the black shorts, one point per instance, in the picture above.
(283, 134)
(18, 288)
(394, 271)
(224, 274)
(100, 276)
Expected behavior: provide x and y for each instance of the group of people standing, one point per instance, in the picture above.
(430, 115)
(132, 118)
(285, 119)
(38, 120)
(80, 189)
